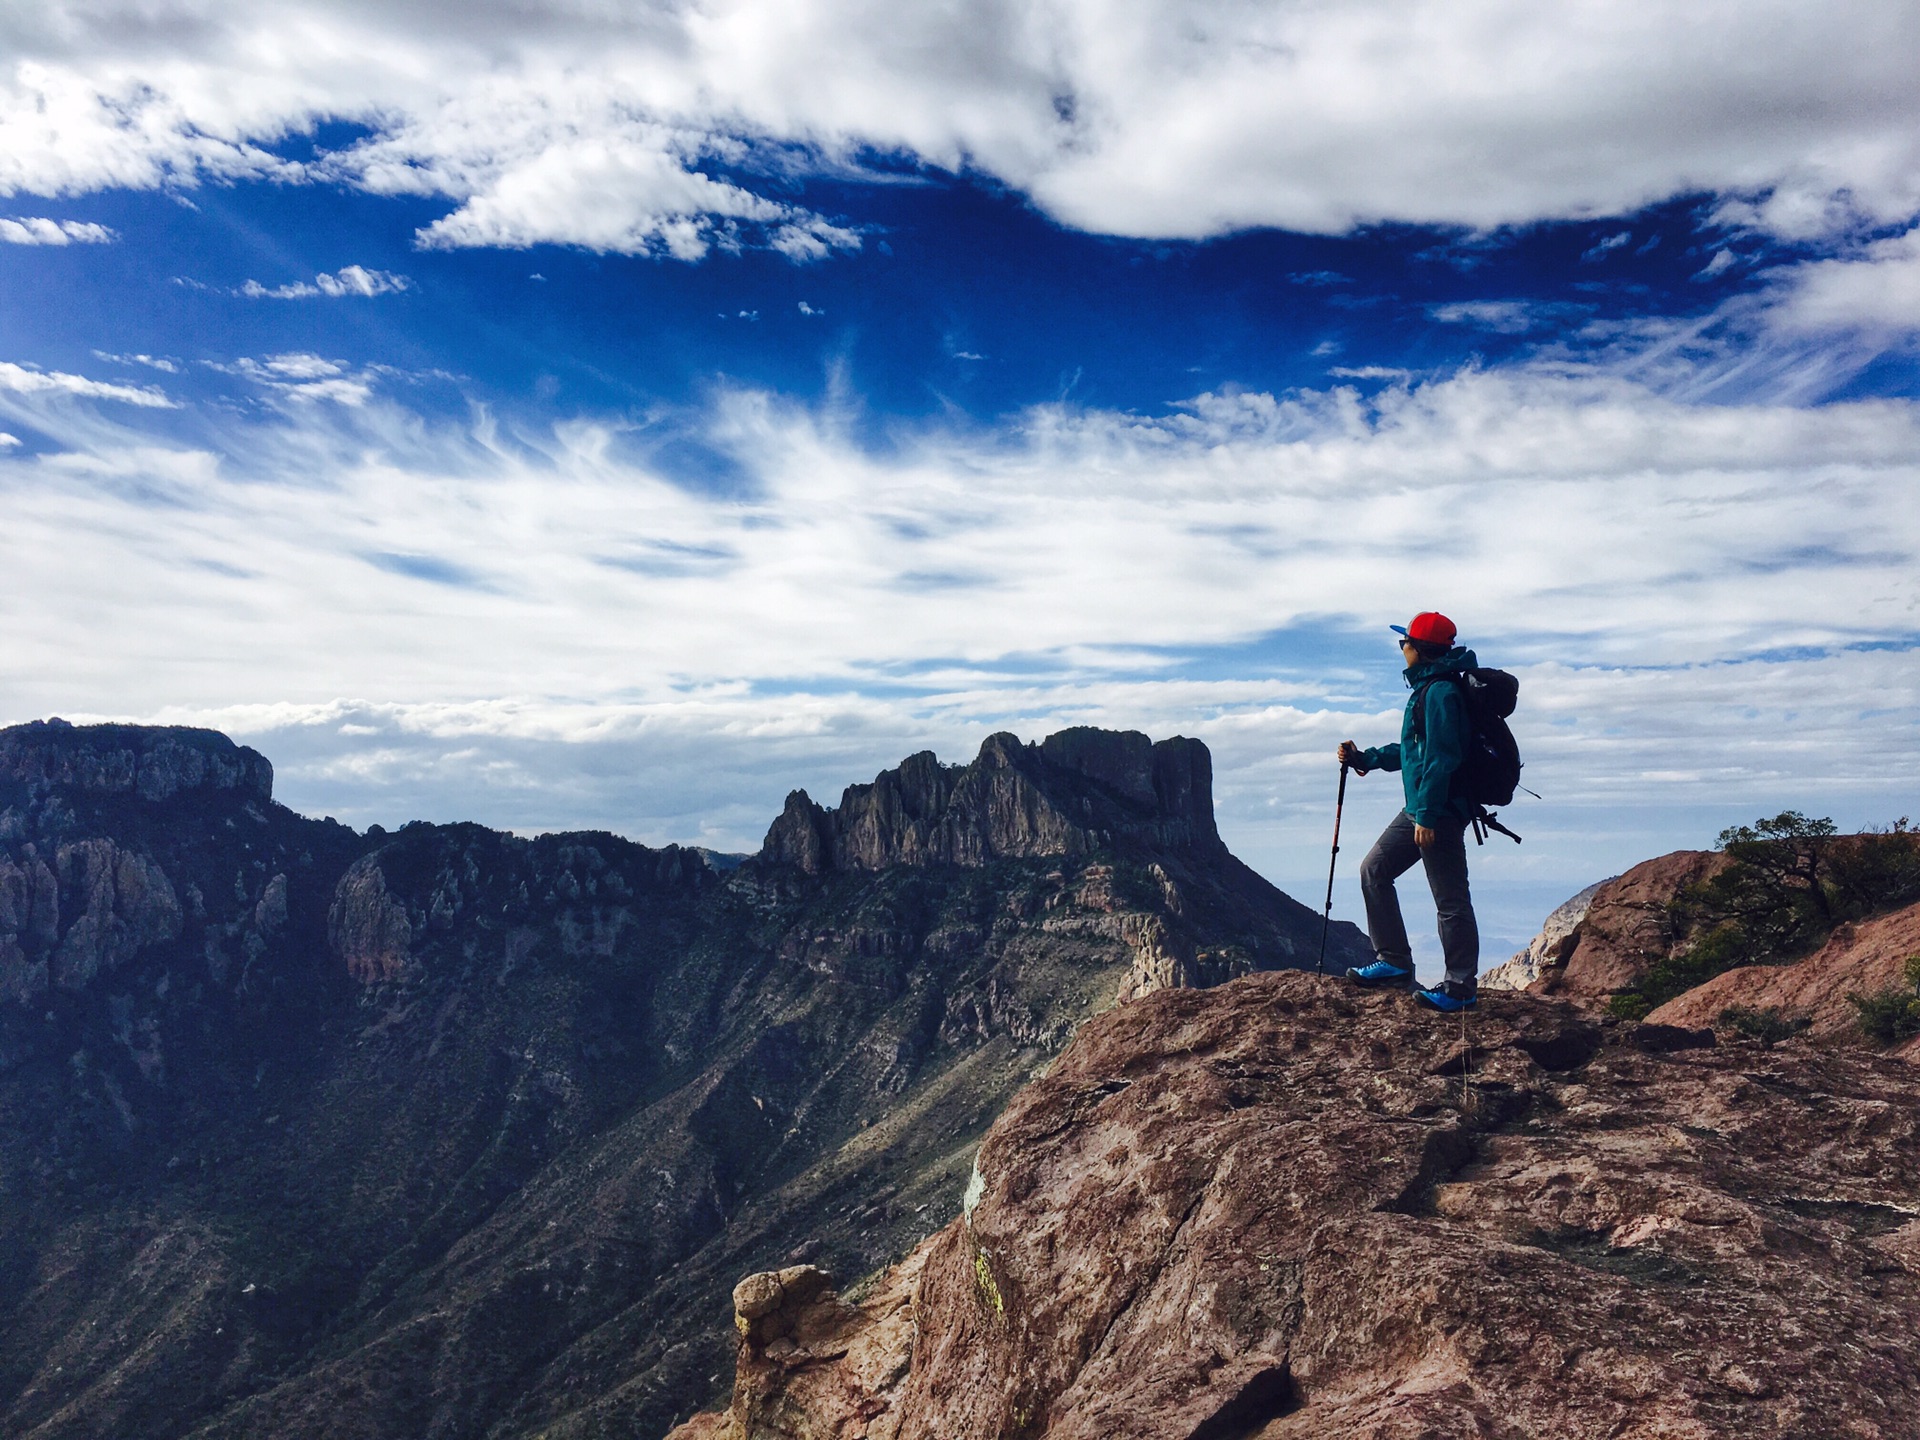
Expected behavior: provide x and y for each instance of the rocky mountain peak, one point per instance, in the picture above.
(1077, 791)
(150, 762)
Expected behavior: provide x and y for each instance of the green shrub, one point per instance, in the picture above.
(1628, 1005)
(1767, 1025)
(1726, 947)
(1873, 873)
(1893, 1014)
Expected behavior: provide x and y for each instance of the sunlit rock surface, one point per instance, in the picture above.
(1282, 1209)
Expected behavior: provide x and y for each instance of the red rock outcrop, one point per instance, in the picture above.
(1626, 927)
(1280, 1209)
(1856, 960)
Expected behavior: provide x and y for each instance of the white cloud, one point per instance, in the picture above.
(541, 631)
(349, 280)
(30, 380)
(1612, 242)
(1722, 261)
(1506, 317)
(152, 362)
(1085, 536)
(38, 230)
(7, 442)
(1876, 292)
(1369, 372)
(304, 377)
(672, 130)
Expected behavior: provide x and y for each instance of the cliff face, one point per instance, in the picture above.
(146, 762)
(309, 1133)
(1550, 949)
(1280, 1209)
(1076, 792)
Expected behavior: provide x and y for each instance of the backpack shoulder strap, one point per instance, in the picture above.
(1420, 698)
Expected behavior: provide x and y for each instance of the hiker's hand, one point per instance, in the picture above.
(1422, 835)
(1349, 755)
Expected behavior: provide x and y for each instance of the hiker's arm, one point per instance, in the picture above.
(1381, 757)
(1446, 748)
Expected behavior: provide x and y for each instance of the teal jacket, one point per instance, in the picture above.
(1426, 765)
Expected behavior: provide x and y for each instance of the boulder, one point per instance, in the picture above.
(1626, 927)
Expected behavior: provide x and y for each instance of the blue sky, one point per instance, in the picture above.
(557, 417)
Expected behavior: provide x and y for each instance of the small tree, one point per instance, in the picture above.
(1774, 894)
(1767, 1025)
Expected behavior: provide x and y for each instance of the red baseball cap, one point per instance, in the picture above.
(1429, 627)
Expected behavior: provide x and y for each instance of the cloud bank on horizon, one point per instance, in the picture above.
(689, 398)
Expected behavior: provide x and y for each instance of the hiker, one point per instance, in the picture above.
(1432, 829)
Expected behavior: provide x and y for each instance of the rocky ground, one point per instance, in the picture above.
(1279, 1208)
(306, 1132)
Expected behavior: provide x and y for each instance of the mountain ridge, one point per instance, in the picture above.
(443, 1131)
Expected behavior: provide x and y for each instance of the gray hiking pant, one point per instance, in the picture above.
(1393, 854)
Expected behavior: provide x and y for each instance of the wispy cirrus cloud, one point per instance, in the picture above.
(299, 376)
(38, 230)
(347, 281)
(31, 380)
(1089, 538)
(162, 363)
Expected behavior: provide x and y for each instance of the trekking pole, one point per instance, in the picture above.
(1466, 1068)
(1326, 915)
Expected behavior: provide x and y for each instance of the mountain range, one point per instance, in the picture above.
(446, 1132)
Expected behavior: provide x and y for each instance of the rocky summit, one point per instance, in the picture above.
(442, 1132)
(1283, 1209)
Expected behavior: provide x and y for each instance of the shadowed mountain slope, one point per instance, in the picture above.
(449, 1133)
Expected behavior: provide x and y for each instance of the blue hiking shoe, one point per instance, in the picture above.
(1381, 976)
(1449, 997)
